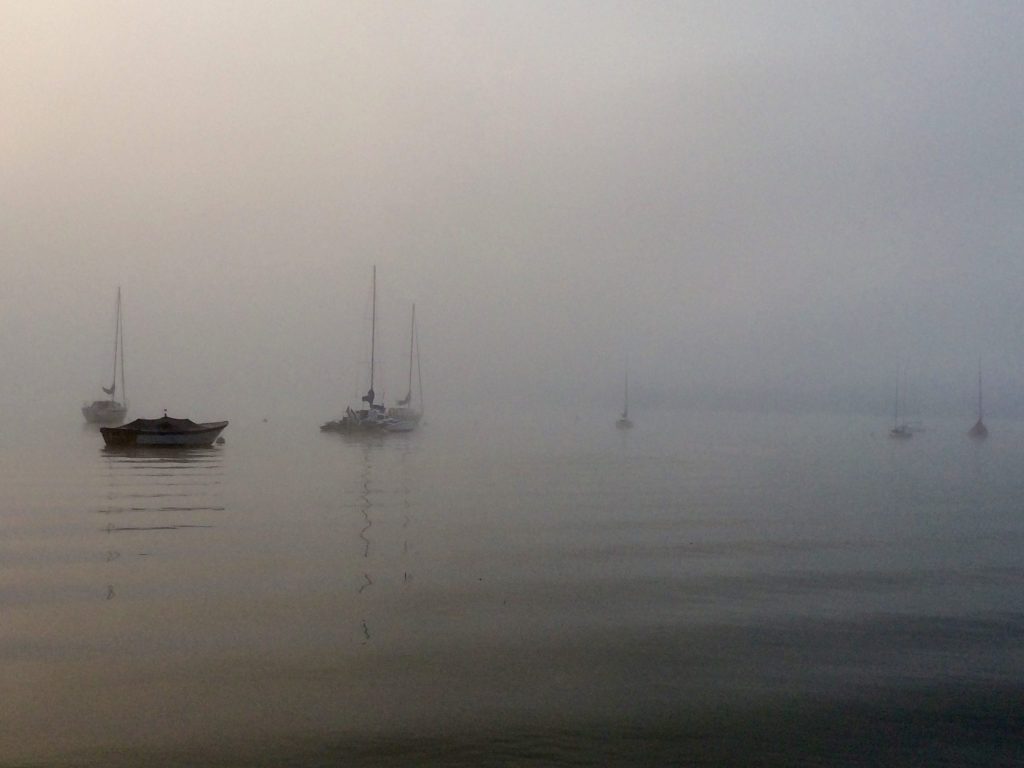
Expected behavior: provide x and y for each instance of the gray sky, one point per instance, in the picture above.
(766, 200)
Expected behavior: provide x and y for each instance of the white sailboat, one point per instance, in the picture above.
(623, 421)
(979, 430)
(372, 418)
(111, 411)
(405, 416)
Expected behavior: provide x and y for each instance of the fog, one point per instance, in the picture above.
(773, 205)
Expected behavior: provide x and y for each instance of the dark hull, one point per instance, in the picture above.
(979, 430)
(163, 433)
(364, 421)
(345, 426)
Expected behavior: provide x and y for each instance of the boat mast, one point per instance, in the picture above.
(896, 404)
(419, 375)
(625, 398)
(120, 326)
(412, 341)
(117, 341)
(979, 390)
(373, 326)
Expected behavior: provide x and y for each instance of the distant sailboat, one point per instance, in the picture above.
(111, 411)
(979, 430)
(900, 430)
(623, 421)
(372, 418)
(406, 417)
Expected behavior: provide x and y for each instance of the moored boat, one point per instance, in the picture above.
(900, 429)
(104, 412)
(979, 431)
(374, 417)
(624, 422)
(163, 432)
(901, 432)
(404, 417)
(111, 411)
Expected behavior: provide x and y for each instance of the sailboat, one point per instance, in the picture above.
(372, 418)
(406, 417)
(899, 430)
(623, 421)
(979, 430)
(111, 411)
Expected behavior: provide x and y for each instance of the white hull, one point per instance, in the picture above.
(103, 412)
(402, 419)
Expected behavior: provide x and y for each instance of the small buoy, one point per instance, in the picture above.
(220, 441)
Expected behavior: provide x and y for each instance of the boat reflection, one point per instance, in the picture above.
(168, 453)
(377, 507)
(150, 492)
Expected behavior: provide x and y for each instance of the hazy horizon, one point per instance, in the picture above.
(760, 204)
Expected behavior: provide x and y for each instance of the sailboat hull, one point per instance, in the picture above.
(402, 419)
(372, 419)
(105, 412)
(403, 425)
(110, 411)
(346, 425)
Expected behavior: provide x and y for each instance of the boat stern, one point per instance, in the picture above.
(118, 438)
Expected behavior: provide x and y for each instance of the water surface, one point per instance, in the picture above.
(705, 589)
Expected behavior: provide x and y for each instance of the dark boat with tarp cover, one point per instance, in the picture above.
(163, 432)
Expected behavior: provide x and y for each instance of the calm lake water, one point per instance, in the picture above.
(708, 589)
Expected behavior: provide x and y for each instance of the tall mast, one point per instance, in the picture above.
(412, 340)
(979, 389)
(373, 325)
(419, 374)
(117, 341)
(896, 404)
(625, 397)
(120, 326)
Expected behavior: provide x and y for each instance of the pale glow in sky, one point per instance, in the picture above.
(761, 198)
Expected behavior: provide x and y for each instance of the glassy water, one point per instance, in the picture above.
(705, 589)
